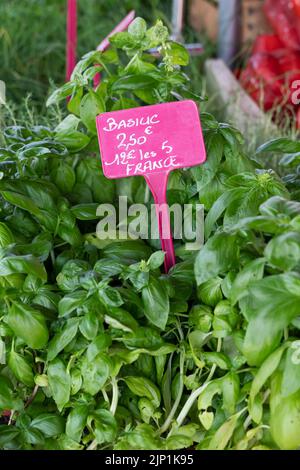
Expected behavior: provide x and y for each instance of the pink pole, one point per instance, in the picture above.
(158, 187)
(71, 45)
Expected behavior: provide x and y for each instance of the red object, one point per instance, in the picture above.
(274, 66)
(71, 37)
(267, 43)
(281, 15)
(296, 6)
(151, 141)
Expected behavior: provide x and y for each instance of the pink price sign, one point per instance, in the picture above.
(151, 141)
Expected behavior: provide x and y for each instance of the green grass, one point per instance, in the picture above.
(32, 38)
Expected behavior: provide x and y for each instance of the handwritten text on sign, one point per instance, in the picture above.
(150, 139)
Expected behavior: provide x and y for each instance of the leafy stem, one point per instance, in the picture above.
(171, 415)
(115, 396)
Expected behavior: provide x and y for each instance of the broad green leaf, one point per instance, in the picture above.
(8, 400)
(59, 382)
(120, 319)
(64, 177)
(21, 368)
(143, 437)
(291, 373)
(104, 424)
(49, 424)
(76, 422)
(270, 306)
(7, 434)
(218, 255)
(137, 27)
(27, 264)
(217, 358)
(90, 106)
(210, 292)
(265, 371)
(280, 145)
(134, 82)
(223, 435)
(89, 325)
(95, 373)
(60, 94)
(69, 277)
(6, 236)
(127, 251)
(156, 260)
(99, 344)
(206, 396)
(85, 211)
(29, 324)
(253, 271)
(74, 140)
(283, 251)
(156, 303)
(143, 387)
(230, 392)
(197, 339)
(276, 206)
(220, 206)
(71, 302)
(62, 338)
(110, 296)
(176, 53)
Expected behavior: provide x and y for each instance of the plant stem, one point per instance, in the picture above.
(188, 404)
(115, 396)
(32, 396)
(168, 421)
(113, 408)
(194, 395)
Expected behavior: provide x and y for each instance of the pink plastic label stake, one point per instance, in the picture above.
(71, 37)
(152, 141)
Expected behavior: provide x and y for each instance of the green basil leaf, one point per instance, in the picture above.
(49, 424)
(21, 368)
(291, 373)
(283, 251)
(73, 140)
(143, 387)
(177, 53)
(156, 260)
(218, 255)
(280, 145)
(8, 401)
(223, 435)
(29, 324)
(59, 382)
(71, 302)
(156, 303)
(62, 338)
(104, 424)
(89, 325)
(253, 271)
(7, 434)
(95, 373)
(90, 106)
(270, 306)
(76, 422)
(22, 264)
